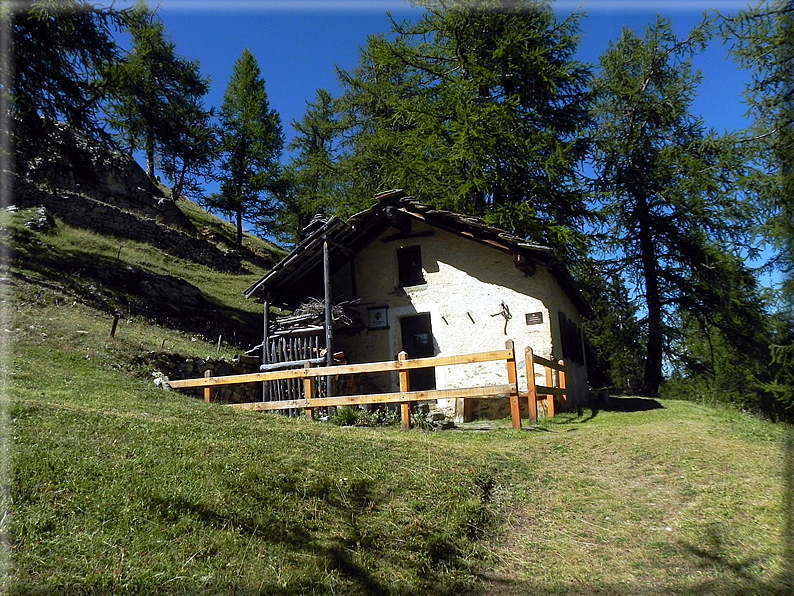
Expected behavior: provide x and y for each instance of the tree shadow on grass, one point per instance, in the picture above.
(613, 404)
(710, 570)
(735, 577)
(271, 525)
(629, 404)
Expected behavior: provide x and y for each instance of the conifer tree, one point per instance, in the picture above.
(310, 183)
(762, 38)
(156, 95)
(250, 145)
(477, 107)
(188, 148)
(58, 48)
(666, 184)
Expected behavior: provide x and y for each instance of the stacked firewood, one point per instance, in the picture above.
(311, 314)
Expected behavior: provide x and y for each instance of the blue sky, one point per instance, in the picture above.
(297, 43)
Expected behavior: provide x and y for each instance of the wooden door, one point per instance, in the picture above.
(417, 341)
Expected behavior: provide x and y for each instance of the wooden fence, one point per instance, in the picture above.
(405, 396)
(555, 384)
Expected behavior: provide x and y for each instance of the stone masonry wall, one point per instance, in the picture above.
(87, 212)
(170, 367)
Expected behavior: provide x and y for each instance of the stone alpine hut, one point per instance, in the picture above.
(429, 282)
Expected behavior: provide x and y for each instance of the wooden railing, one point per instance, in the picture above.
(404, 396)
(555, 384)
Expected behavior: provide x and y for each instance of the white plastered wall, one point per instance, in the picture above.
(466, 285)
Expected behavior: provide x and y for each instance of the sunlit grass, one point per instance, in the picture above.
(119, 487)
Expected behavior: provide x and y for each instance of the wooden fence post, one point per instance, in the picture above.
(550, 405)
(207, 389)
(308, 391)
(405, 387)
(532, 396)
(561, 377)
(512, 378)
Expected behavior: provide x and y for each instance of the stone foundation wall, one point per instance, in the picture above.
(170, 367)
(497, 409)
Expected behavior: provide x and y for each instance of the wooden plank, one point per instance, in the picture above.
(207, 390)
(300, 332)
(532, 396)
(291, 364)
(405, 387)
(544, 390)
(490, 391)
(346, 369)
(235, 379)
(550, 399)
(547, 363)
(512, 378)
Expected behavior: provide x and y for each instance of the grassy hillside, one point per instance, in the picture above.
(118, 487)
(139, 280)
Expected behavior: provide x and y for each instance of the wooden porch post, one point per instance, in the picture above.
(266, 343)
(329, 326)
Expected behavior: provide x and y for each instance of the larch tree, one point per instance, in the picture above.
(478, 107)
(156, 95)
(250, 145)
(762, 41)
(674, 228)
(52, 71)
(188, 147)
(310, 182)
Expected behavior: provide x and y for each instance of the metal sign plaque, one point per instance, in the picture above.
(378, 317)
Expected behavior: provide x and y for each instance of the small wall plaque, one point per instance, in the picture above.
(534, 318)
(378, 317)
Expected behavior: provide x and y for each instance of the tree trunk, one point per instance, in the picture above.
(479, 202)
(239, 214)
(176, 192)
(150, 157)
(653, 356)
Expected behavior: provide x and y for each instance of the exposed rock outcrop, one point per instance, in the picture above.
(91, 186)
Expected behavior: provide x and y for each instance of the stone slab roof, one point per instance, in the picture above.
(301, 271)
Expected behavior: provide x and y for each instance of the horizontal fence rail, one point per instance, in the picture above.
(346, 369)
(548, 391)
(380, 398)
(554, 373)
(404, 397)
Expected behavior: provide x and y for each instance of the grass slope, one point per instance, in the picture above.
(117, 487)
(138, 279)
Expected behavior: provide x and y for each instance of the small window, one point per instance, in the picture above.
(409, 266)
